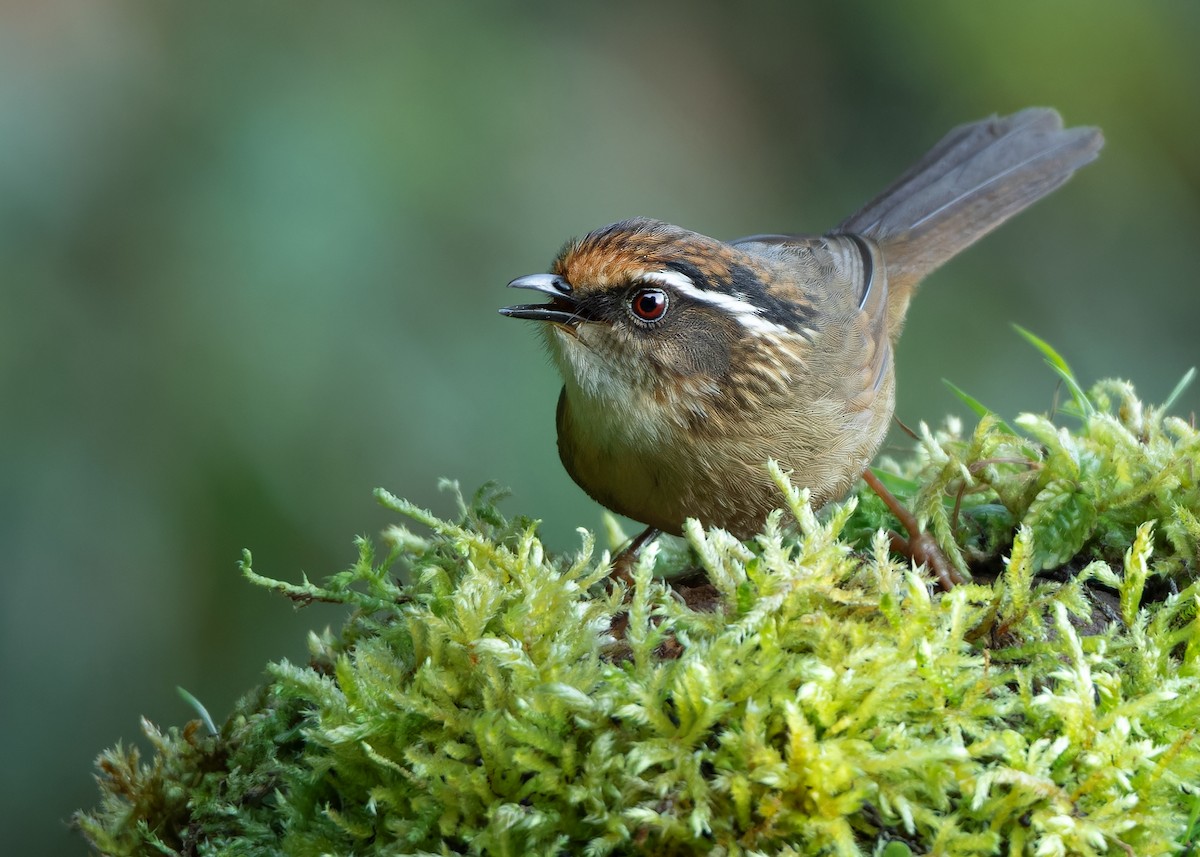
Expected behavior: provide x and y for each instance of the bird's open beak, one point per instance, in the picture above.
(563, 308)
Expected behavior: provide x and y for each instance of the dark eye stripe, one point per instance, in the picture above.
(743, 282)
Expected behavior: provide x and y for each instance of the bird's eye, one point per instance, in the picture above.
(648, 304)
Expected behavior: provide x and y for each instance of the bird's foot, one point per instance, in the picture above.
(622, 565)
(919, 546)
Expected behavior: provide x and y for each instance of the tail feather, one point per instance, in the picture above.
(974, 179)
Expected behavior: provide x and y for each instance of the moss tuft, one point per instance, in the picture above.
(818, 699)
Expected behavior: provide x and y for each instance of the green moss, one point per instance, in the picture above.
(814, 697)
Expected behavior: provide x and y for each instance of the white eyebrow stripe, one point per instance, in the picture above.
(742, 311)
(674, 279)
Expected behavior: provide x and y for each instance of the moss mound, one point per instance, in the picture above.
(813, 696)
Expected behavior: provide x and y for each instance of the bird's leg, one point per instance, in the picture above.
(623, 562)
(919, 546)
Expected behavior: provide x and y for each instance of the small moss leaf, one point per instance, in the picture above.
(978, 407)
(1186, 381)
(1062, 518)
(1056, 362)
(1017, 580)
(199, 708)
(1137, 570)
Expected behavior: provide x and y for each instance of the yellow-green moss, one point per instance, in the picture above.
(822, 700)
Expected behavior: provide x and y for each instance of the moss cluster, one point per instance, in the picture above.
(818, 699)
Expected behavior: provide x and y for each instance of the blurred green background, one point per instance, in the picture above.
(251, 253)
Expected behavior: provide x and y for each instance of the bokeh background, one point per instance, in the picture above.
(251, 253)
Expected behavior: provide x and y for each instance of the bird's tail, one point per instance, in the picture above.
(974, 179)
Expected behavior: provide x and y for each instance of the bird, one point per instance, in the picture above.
(688, 363)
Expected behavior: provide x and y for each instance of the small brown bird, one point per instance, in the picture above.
(688, 362)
